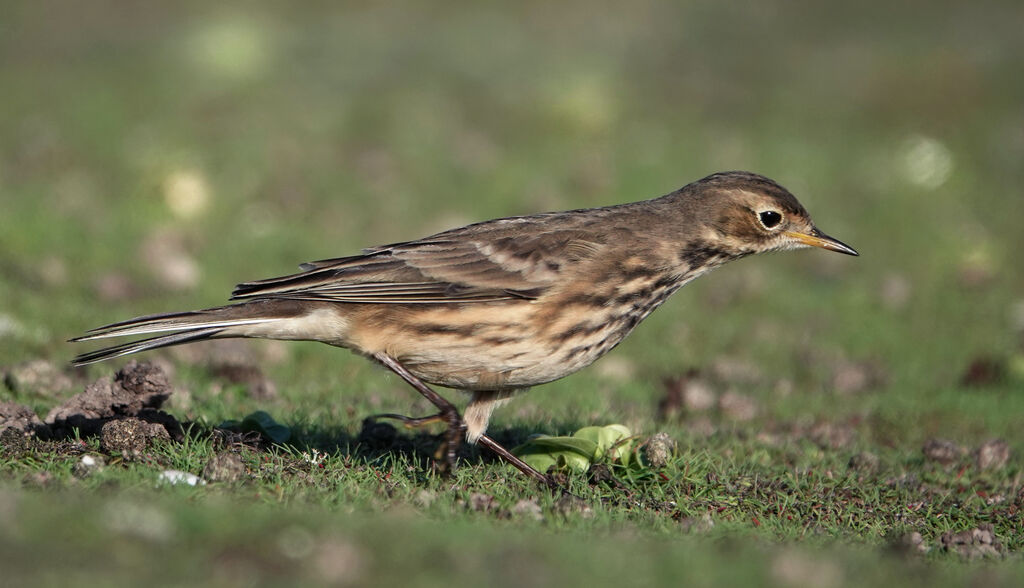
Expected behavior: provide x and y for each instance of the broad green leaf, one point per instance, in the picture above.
(544, 451)
(611, 438)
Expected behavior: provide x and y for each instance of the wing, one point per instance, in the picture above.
(498, 260)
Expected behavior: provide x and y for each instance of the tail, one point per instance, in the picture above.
(237, 320)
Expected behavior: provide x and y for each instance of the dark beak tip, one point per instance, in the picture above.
(837, 245)
(846, 250)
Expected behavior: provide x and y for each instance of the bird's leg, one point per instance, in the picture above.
(456, 428)
(519, 464)
(447, 411)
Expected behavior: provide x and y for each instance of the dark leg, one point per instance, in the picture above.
(448, 413)
(456, 428)
(519, 464)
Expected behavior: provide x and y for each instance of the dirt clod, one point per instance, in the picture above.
(129, 436)
(21, 419)
(864, 461)
(659, 450)
(600, 473)
(138, 389)
(147, 382)
(942, 451)
(224, 467)
(14, 443)
(976, 543)
(992, 455)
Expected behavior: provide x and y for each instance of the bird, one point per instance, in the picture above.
(497, 307)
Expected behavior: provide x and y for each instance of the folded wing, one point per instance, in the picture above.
(498, 260)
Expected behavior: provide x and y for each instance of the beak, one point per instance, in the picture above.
(818, 239)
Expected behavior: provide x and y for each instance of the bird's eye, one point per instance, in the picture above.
(770, 219)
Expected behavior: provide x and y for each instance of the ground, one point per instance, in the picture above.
(800, 419)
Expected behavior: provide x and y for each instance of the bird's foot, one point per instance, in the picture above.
(447, 452)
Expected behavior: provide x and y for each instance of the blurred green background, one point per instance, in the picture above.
(152, 155)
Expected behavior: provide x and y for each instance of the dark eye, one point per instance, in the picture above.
(770, 219)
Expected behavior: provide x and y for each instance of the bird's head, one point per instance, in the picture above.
(749, 213)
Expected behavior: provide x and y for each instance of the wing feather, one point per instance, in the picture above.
(498, 260)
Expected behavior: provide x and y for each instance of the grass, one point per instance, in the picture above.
(236, 142)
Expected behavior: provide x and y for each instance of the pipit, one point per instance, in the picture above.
(496, 307)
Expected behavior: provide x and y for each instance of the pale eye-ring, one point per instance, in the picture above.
(769, 219)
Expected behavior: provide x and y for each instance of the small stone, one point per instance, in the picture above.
(224, 467)
(976, 543)
(528, 509)
(480, 502)
(701, 524)
(87, 465)
(174, 477)
(992, 455)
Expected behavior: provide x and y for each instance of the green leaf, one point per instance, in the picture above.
(544, 451)
(612, 441)
(577, 452)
